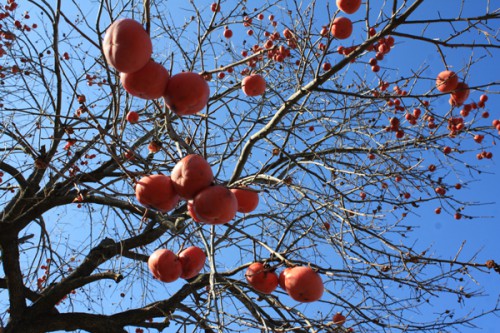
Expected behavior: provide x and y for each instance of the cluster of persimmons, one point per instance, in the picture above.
(128, 48)
(192, 179)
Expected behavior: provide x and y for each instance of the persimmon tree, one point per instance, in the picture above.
(343, 148)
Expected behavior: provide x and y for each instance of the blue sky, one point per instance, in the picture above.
(443, 232)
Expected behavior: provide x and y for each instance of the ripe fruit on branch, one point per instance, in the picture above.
(261, 278)
(384, 48)
(394, 123)
(247, 21)
(288, 34)
(349, 6)
(460, 94)
(341, 28)
(400, 134)
(339, 319)
(187, 93)
(478, 138)
(215, 7)
(127, 46)
(484, 154)
(157, 192)
(165, 265)
(191, 175)
(253, 85)
(192, 212)
(248, 200)
(417, 112)
(215, 205)
(446, 81)
(132, 117)
(228, 33)
(282, 277)
(440, 191)
(154, 146)
(389, 41)
(303, 284)
(192, 261)
(149, 82)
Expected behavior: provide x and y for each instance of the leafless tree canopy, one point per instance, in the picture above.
(336, 182)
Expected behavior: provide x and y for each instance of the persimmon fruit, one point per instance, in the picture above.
(127, 46)
(247, 199)
(303, 284)
(282, 277)
(149, 82)
(191, 175)
(339, 319)
(228, 33)
(187, 93)
(446, 81)
(460, 94)
(349, 6)
(132, 117)
(440, 190)
(157, 192)
(253, 85)
(192, 261)
(192, 212)
(154, 147)
(214, 7)
(215, 205)
(341, 28)
(165, 265)
(261, 278)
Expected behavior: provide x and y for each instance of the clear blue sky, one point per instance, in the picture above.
(443, 232)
